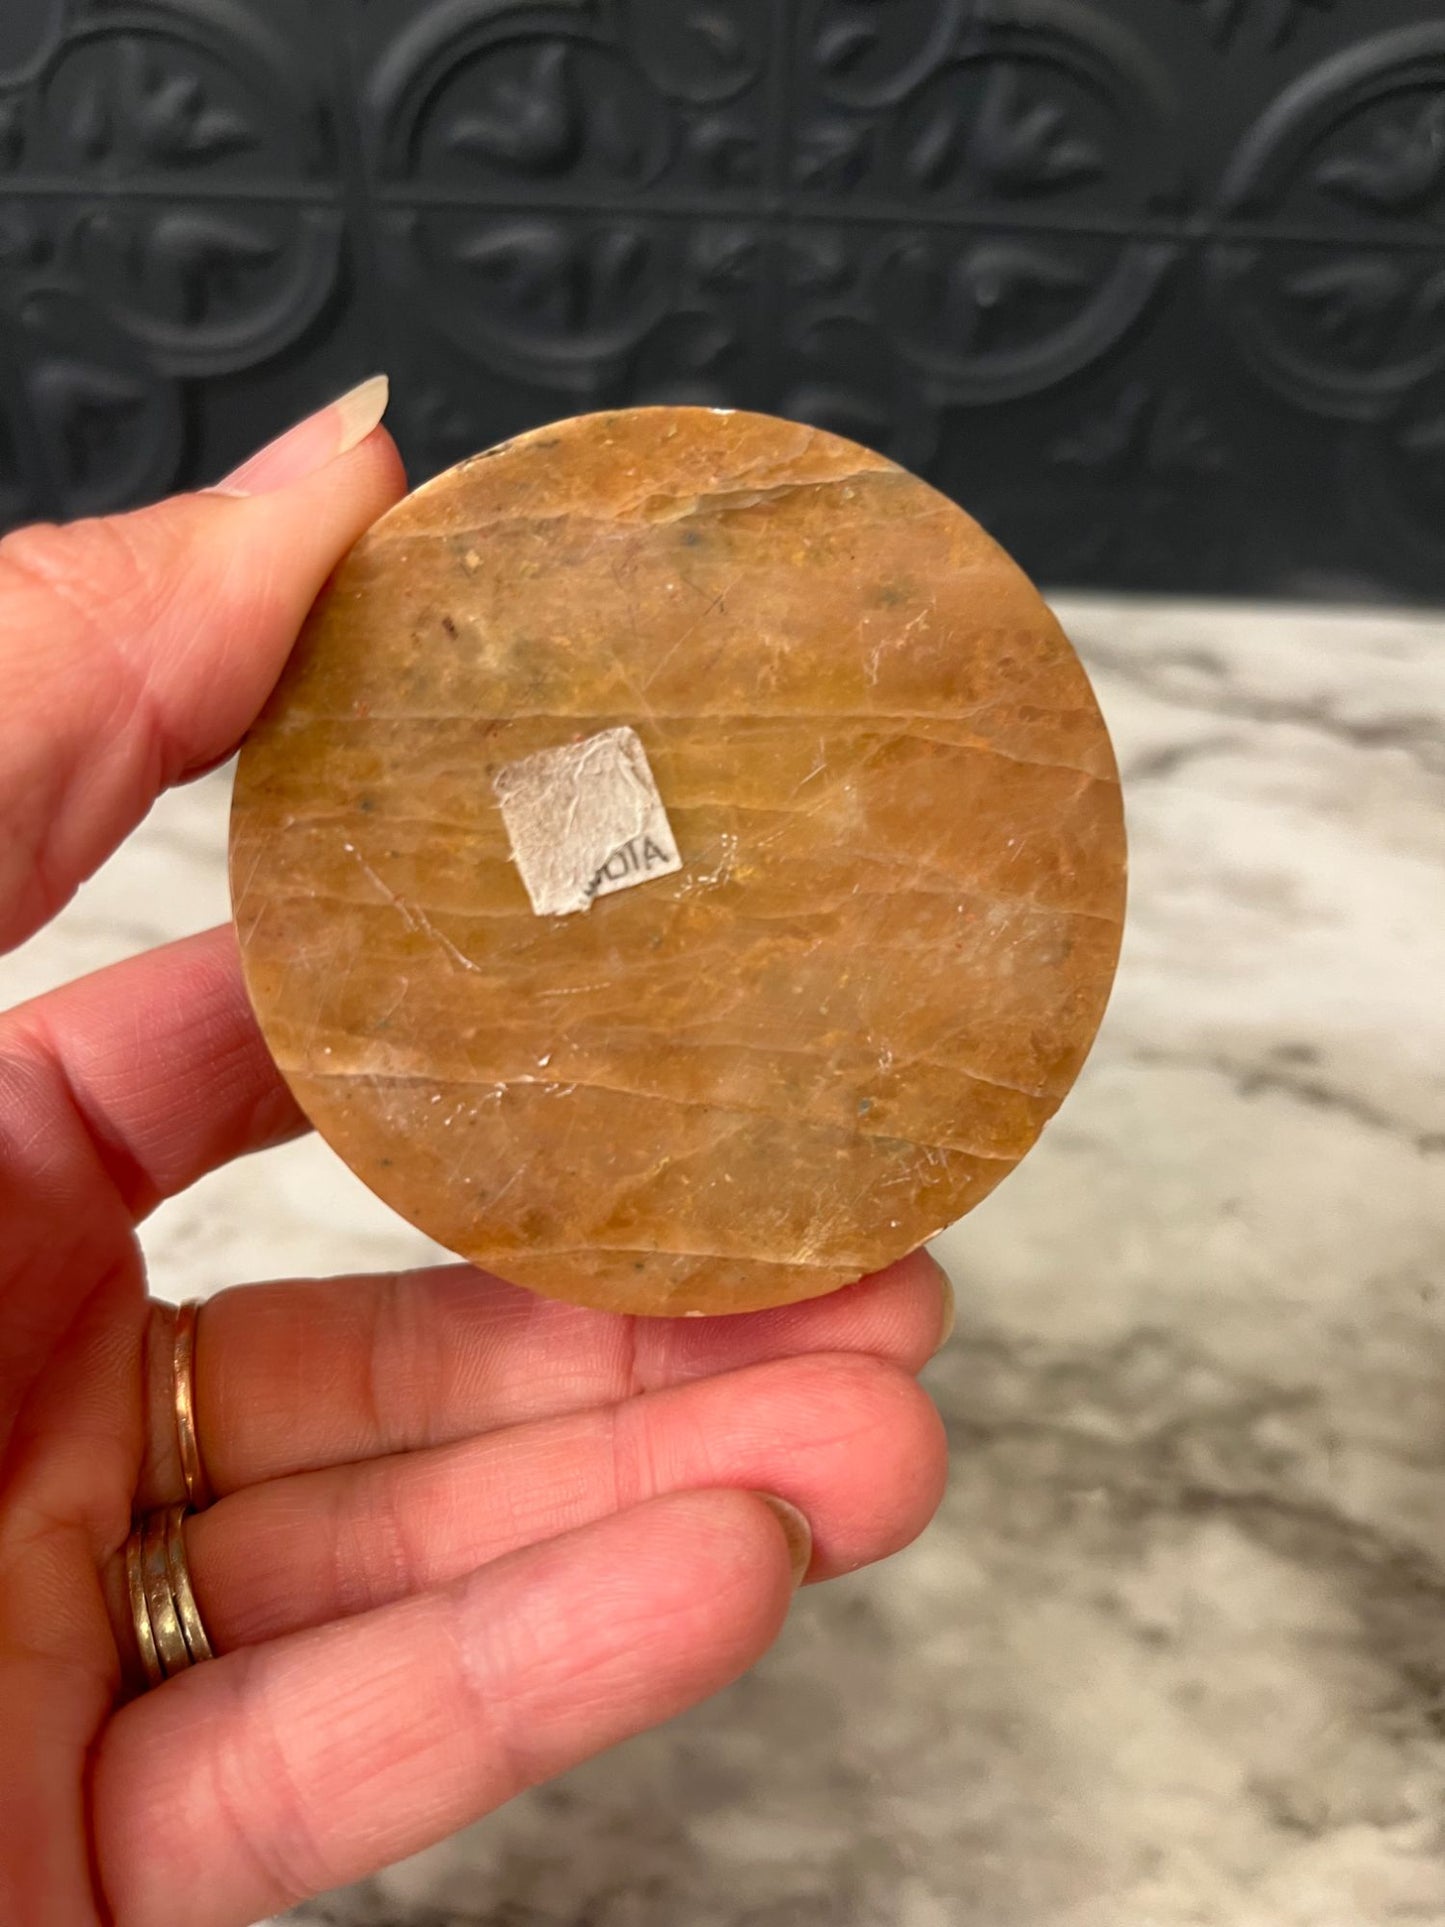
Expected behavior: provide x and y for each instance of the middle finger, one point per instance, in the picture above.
(298, 1375)
(853, 1442)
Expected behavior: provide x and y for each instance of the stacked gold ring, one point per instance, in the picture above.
(168, 1628)
(169, 1633)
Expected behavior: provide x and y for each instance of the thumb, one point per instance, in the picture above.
(137, 649)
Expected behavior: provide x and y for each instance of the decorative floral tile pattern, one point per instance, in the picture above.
(1155, 287)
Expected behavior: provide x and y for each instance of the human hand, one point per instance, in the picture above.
(463, 1538)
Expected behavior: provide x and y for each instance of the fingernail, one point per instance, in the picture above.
(950, 1309)
(947, 1303)
(797, 1532)
(331, 432)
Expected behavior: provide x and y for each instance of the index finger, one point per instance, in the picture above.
(140, 647)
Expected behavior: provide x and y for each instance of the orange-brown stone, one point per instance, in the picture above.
(881, 963)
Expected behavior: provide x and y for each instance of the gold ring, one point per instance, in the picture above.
(155, 1573)
(168, 1628)
(183, 1392)
(145, 1639)
(189, 1613)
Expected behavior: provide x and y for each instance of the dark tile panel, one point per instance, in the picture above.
(1155, 287)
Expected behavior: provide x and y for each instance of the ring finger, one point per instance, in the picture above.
(294, 1376)
(851, 1441)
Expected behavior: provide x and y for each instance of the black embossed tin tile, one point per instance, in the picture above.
(1155, 287)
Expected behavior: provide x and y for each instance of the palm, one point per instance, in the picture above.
(463, 1537)
(72, 1414)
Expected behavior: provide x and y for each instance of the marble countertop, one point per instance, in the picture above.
(1174, 1653)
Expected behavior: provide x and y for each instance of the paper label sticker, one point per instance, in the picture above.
(584, 821)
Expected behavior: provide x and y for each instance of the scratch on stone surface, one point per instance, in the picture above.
(385, 1017)
(445, 943)
(720, 873)
(497, 1196)
(639, 696)
(243, 890)
(884, 643)
(692, 628)
(823, 1228)
(413, 916)
(816, 770)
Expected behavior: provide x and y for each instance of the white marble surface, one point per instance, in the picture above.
(1174, 1655)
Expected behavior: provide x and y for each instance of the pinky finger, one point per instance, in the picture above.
(283, 1770)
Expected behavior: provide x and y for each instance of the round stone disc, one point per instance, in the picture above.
(682, 866)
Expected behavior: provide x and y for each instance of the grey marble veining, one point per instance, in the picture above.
(1174, 1653)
